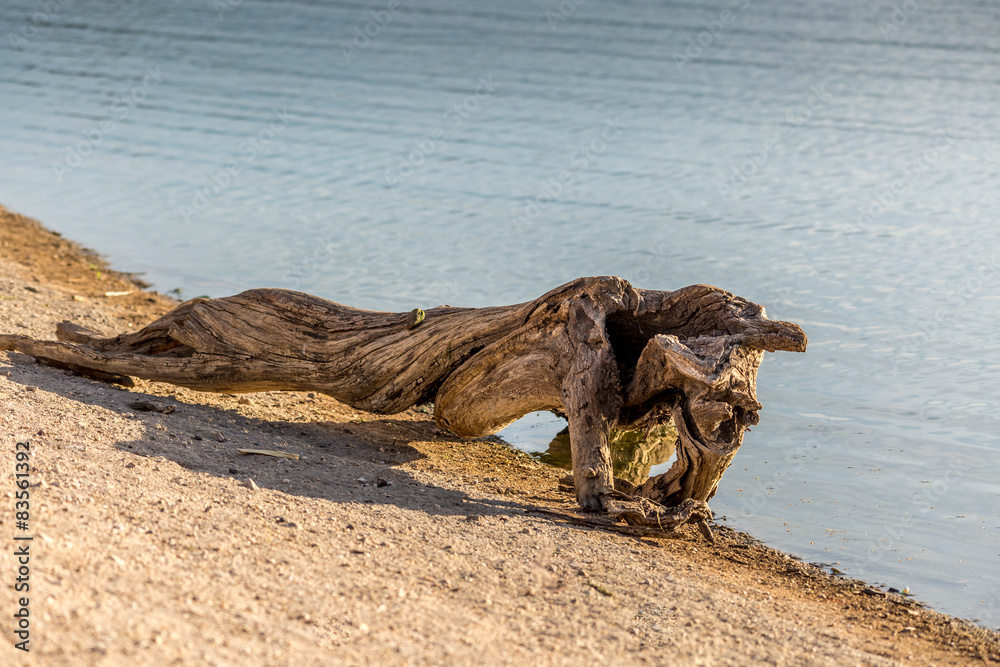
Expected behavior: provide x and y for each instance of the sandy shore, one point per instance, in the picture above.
(387, 542)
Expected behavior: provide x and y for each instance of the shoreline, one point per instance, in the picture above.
(388, 540)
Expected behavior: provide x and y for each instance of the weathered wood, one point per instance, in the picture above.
(596, 350)
(642, 518)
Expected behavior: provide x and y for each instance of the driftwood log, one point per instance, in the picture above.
(596, 350)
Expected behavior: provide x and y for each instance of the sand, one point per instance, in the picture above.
(388, 541)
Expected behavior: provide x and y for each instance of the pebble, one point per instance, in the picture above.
(250, 484)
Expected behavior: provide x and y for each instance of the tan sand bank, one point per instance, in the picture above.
(387, 541)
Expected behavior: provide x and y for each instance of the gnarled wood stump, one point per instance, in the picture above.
(595, 350)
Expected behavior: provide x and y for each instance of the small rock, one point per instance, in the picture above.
(245, 401)
(220, 438)
(382, 482)
(152, 406)
(198, 437)
(251, 485)
(311, 395)
(361, 480)
(234, 471)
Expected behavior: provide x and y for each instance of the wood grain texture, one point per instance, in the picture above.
(596, 350)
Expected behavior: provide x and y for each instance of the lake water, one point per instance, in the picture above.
(836, 162)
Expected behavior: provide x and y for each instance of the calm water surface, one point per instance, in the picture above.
(836, 162)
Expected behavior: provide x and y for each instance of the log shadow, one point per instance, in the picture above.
(341, 461)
